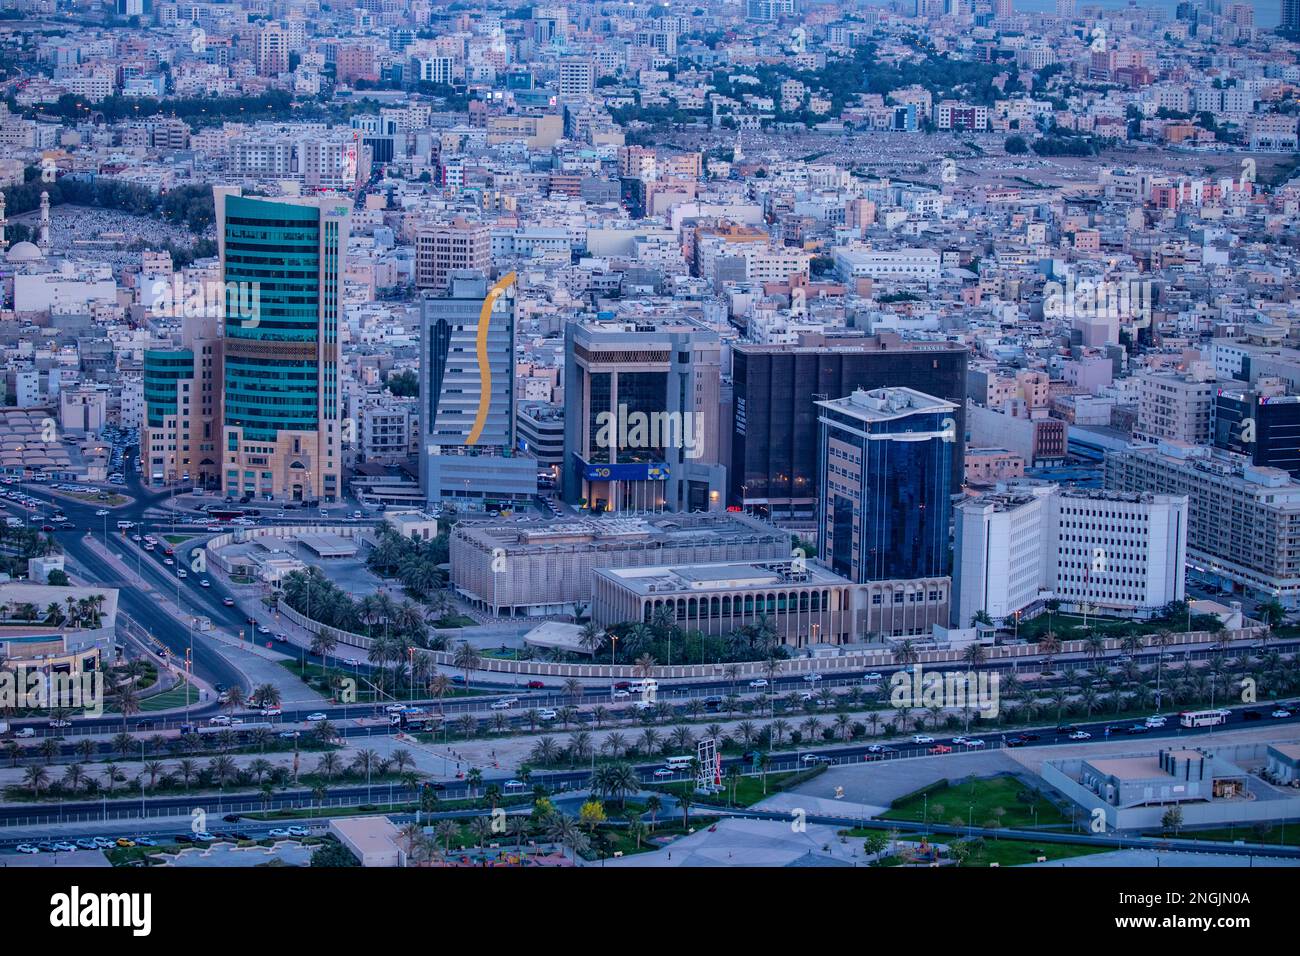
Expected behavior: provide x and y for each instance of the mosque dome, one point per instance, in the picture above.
(24, 252)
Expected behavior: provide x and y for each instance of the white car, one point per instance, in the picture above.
(758, 682)
(973, 742)
(1156, 721)
(101, 513)
(315, 718)
(221, 720)
(1081, 735)
(27, 848)
(271, 711)
(515, 785)
(875, 677)
(664, 772)
(958, 740)
(546, 713)
(24, 732)
(1281, 713)
(922, 739)
(812, 678)
(205, 583)
(182, 573)
(298, 831)
(279, 832)
(621, 694)
(505, 703)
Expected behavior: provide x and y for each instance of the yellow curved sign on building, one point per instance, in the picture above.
(484, 368)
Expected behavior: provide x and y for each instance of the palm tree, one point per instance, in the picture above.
(74, 777)
(446, 831)
(36, 777)
(652, 806)
(466, 659)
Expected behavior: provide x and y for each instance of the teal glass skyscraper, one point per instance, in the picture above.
(282, 268)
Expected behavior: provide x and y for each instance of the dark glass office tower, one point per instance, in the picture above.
(885, 478)
(1264, 428)
(774, 433)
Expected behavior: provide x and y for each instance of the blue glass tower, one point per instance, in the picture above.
(885, 477)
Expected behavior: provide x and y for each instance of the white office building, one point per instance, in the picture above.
(1112, 552)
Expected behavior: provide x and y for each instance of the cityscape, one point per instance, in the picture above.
(728, 433)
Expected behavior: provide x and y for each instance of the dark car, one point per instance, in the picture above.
(67, 526)
(458, 678)
(1016, 741)
(1138, 729)
(1251, 715)
(183, 838)
(622, 685)
(1029, 735)
(535, 684)
(231, 818)
(241, 835)
(144, 725)
(1066, 729)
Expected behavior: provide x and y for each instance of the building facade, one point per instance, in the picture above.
(774, 438)
(284, 261)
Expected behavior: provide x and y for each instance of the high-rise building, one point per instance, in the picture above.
(641, 416)
(774, 431)
(468, 454)
(1243, 520)
(181, 438)
(1290, 20)
(1262, 424)
(577, 76)
(1112, 552)
(444, 249)
(282, 263)
(885, 480)
(1175, 407)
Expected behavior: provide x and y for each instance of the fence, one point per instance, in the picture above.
(858, 660)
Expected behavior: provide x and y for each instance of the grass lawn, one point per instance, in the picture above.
(1001, 852)
(618, 840)
(749, 790)
(1069, 627)
(177, 538)
(455, 620)
(987, 796)
(176, 697)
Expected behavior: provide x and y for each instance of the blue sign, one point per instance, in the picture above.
(626, 471)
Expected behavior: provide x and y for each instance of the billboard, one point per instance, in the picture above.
(626, 471)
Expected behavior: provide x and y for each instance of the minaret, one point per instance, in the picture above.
(736, 154)
(44, 239)
(4, 243)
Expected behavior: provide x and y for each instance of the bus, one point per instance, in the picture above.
(1202, 718)
(678, 763)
